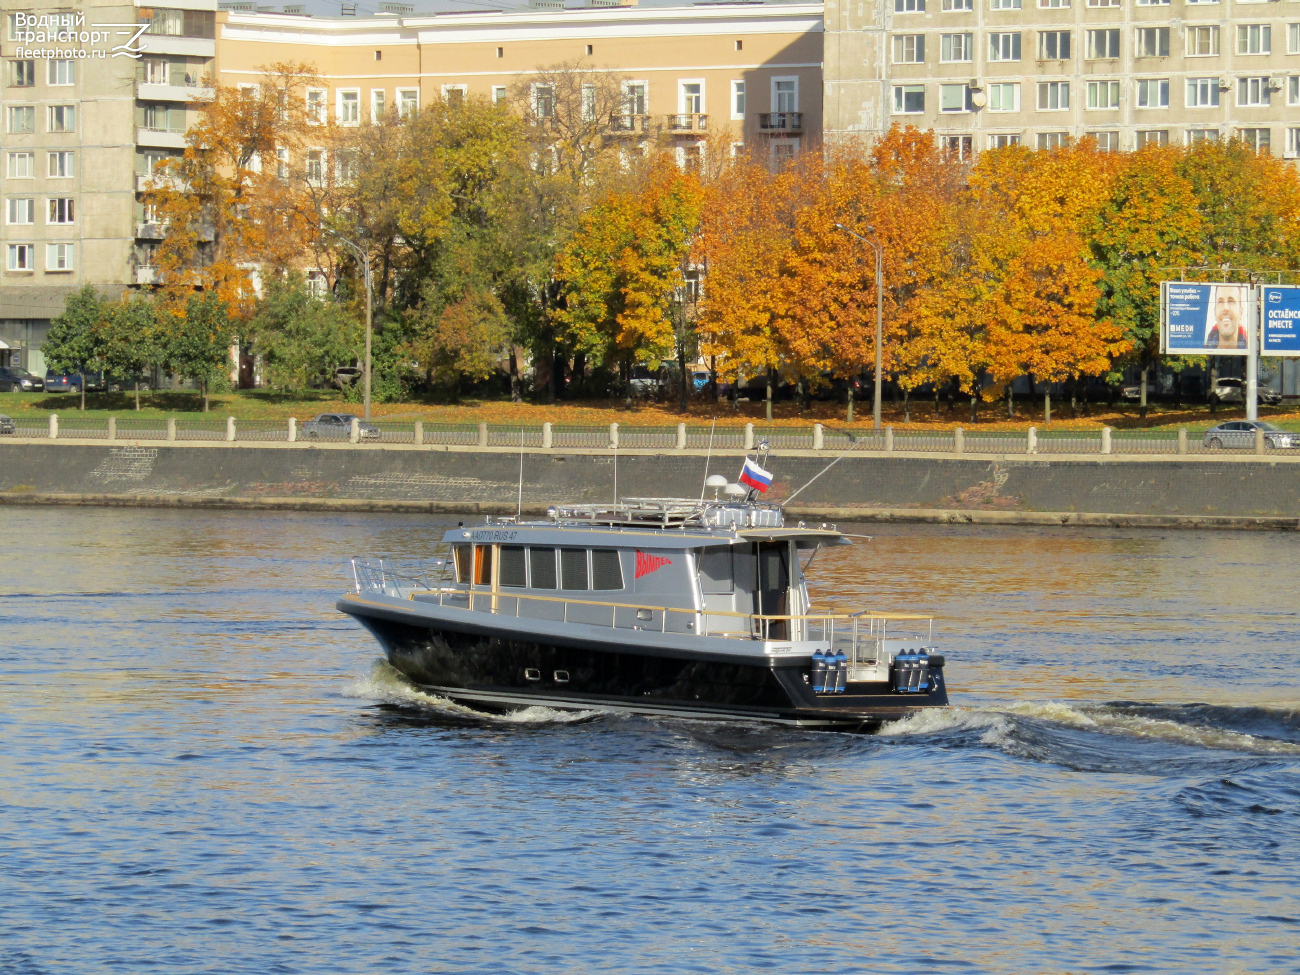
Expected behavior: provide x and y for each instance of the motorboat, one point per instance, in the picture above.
(679, 607)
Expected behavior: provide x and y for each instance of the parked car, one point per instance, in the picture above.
(642, 382)
(1234, 391)
(338, 426)
(127, 384)
(73, 381)
(15, 380)
(7, 425)
(1241, 434)
(345, 376)
(700, 379)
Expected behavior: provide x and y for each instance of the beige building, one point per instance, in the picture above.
(92, 97)
(984, 73)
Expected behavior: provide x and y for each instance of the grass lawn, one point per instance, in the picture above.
(262, 405)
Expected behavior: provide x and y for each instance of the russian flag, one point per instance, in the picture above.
(754, 476)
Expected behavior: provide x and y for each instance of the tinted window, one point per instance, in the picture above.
(716, 572)
(606, 571)
(513, 570)
(542, 563)
(573, 568)
(461, 554)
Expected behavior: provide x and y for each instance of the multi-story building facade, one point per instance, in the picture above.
(985, 73)
(91, 98)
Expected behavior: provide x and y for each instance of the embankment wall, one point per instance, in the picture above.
(1221, 491)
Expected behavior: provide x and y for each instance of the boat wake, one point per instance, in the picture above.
(387, 685)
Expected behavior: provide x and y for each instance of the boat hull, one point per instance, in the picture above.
(501, 671)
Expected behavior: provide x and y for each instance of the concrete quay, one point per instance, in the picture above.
(1221, 490)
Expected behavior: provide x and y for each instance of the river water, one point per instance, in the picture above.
(206, 769)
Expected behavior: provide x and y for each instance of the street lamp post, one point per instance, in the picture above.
(880, 313)
(364, 257)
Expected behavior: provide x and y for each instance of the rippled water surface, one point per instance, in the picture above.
(206, 769)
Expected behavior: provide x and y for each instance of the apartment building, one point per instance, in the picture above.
(750, 71)
(987, 73)
(92, 98)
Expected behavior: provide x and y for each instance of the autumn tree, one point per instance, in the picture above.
(133, 340)
(301, 338)
(460, 340)
(197, 342)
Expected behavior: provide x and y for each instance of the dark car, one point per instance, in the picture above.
(338, 426)
(7, 425)
(1241, 434)
(15, 380)
(73, 381)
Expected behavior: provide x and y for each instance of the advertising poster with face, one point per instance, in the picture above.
(1281, 320)
(1205, 319)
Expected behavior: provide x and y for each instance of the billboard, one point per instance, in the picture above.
(1205, 319)
(1281, 320)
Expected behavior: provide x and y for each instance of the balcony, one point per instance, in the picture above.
(623, 126)
(159, 138)
(144, 183)
(146, 274)
(153, 44)
(780, 122)
(150, 231)
(687, 123)
(174, 93)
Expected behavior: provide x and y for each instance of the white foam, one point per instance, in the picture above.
(387, 684)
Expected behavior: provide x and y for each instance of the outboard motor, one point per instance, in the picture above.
(818, 672)
(841, 671)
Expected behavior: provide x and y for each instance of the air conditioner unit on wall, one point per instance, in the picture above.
(1275, 84)
(1225, 84)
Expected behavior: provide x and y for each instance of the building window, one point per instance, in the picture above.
(1202, 92)
(909, 99)
(378, 104)
(1152, 42)
(1103, 3)
(1202, 42)
(22, 74)
(1152, 137)
(690, 98)
(1258, 139)
(740, 45)
(785, 94)
(1197, 136)
(955, 6)
(1106, 141)
(61, 210)
(636, 100)
(955, 98)
(1004, 46)
(909, 6)
(62, 165)
(737, 100)
(956, 47)
(1293, 38)
(1153, 93)
(783, 151)
(59, 257)
(1292, 143)
(315, 107)
(909, 48)
(63, 118)
(1254, 39)
(1154, 3)
(1003, 140)
(1005, 5)
(1103, 94)
(1054, 45)
(1053, 4)
(408, 101)
(22, 119)
(1293, 90)
(1253, 92)
(1053, 96)
(345, 165)
(179, 23)
(282, 164)
(1004, 97)
(1053, 140)
(1103, 44)
(588, 95)
(501, 52)
(499, 94)
(22, 165)
(22, 257)
(454, 95)
(960, 147)
(349, 107)
(20, 212)
(315, 166)
(63, 72)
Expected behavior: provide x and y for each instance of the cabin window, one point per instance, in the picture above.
(573, 568)
(717, 570)
(513, 571)
(606, 570)
(482, 565)
(462, 556)
(542, 563)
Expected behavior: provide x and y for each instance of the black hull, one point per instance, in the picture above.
(487, 670)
